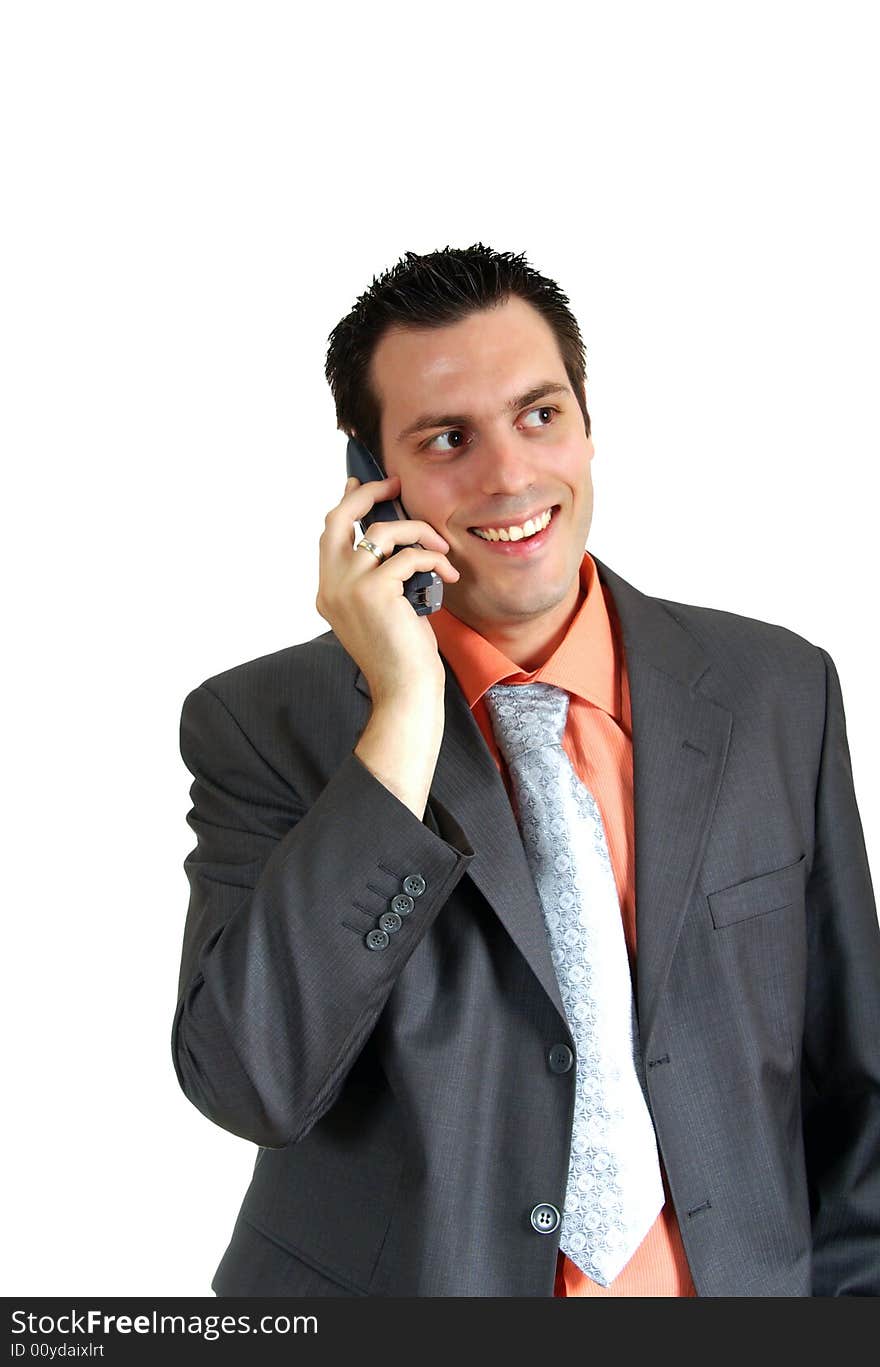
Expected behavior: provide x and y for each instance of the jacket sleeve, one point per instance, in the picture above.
(842, 1029)
(278, 989)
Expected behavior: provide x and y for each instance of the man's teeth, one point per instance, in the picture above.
(529, 528)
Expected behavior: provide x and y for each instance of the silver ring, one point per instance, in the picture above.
(365, 545)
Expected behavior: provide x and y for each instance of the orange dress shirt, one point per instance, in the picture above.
(589, 664)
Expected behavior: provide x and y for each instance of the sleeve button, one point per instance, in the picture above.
(414, 884)
(376, 939)
(390, 921)
(402, 904)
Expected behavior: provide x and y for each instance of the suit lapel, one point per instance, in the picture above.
(467, 783)
(680, 739)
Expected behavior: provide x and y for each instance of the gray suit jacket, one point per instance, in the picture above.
(407, 1113)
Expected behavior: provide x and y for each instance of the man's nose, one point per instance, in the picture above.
(504, 466)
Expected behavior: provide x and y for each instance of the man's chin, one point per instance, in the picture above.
(493, 609)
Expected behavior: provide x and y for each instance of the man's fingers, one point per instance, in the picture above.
(357, 501)
(378, 488)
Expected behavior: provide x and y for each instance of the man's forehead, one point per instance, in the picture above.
(480, 368)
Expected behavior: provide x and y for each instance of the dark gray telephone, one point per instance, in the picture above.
(425, 588)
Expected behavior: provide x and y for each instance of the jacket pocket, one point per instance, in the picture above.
(259, 1263)
(758, 896)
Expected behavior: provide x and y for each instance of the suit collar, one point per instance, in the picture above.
(651, 630)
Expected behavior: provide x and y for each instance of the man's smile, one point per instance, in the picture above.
(516, 531)
(519, 540)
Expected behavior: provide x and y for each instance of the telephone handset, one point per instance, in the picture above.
(424, 589)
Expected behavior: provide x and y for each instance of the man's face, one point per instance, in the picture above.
(479, 463)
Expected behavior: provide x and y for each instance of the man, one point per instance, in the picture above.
(512, 1013)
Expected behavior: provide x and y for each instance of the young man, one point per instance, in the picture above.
(533, 941)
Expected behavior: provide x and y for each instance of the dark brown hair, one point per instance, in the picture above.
(434, 290)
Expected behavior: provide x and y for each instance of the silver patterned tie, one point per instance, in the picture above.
(615, 1190)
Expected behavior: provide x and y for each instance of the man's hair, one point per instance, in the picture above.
(432, 291)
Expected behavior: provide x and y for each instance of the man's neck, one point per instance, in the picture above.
(530, 644)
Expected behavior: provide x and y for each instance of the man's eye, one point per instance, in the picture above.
(453, 432)
(457, 432)
(544, 409)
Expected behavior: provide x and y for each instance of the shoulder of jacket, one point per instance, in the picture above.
(734, 628)
(309, 666)
(763, 658)
(722, 634)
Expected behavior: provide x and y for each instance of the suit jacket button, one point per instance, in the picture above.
(560, 1058)
(414, 884)
(376, 939)
(390, 921)
(545, 1218)
(402, 904)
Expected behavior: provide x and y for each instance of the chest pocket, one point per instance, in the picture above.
(758, 896)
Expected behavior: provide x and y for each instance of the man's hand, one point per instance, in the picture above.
(364, 601)
(396, 649)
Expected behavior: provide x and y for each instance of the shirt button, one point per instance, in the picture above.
(390, 921)
(560, 1058)
(545, 1218)
(414, 884)
(402, 904)
(376, 939)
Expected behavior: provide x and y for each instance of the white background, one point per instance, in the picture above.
(194, 195)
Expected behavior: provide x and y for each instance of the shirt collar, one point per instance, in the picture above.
(584, 663)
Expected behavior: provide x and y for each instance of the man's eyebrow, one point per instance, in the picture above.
(429, 420)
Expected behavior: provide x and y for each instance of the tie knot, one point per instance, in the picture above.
(526, 716)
